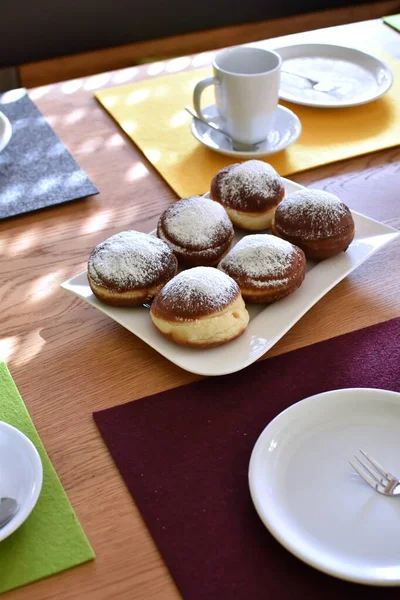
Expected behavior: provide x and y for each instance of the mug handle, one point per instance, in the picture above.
(198, 90)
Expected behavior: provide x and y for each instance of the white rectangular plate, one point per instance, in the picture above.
(267, 323)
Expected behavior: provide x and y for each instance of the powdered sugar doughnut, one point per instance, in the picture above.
(250, 192)
(197, 230)
(200, 307)
(316, 221)
(129, 268)
(265, 267)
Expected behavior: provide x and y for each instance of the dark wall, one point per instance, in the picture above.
(32, 30)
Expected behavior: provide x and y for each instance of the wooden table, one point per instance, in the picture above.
(69, 360)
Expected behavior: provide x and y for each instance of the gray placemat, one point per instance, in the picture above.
(36, 169)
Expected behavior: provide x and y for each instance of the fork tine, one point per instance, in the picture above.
(377, 466)
(381, 480)
(366, 477)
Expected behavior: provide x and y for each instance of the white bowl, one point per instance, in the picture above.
(5, 131)
(21, 474)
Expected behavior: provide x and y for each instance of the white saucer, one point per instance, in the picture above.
(311, 500)
(361, 77)
(21, 474)
(5, 131)
(285, 131)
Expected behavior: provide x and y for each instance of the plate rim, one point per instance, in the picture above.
(385, 66)
(193, 366)
(37, 477)
(7, 132)
(248, 155)
(266, 520)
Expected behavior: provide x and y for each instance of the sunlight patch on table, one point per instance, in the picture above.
(45, 184)
(97, 81)
(115, 140)
(153, 155)
(96, 222)
(125, 75)
(160, 91)
(90, 145)
(137, 96)
(46, 285)
(7, 347)
(75, 116)
(178, 119)
(22, 242)
(12, 192)
(203, 59)
(57, 150)
(156, 68)
(178, 64)
(12, 96)
(138, 171)
(52, 119)
(29, 347)
(129, 126)
(70, 87)
(110, 101)
(40, 92)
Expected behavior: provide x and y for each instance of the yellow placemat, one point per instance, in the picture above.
(151, 113)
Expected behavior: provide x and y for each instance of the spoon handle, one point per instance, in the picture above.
(211, 125)
(239, 146)
(8, 508)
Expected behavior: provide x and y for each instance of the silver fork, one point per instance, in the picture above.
(375, 475)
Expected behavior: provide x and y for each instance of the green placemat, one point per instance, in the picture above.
(393, 21)
(51, 539)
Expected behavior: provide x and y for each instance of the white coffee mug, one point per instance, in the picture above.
(246, 81)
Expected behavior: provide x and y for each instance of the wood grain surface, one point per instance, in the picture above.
(69, 360)
(80, 65)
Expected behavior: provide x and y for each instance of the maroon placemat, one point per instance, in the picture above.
(184, 456)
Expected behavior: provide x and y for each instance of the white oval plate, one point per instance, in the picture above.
(285, 131)
(21, 474)
(5, 131)
(361, 77)
(312, 501)
(267, 323)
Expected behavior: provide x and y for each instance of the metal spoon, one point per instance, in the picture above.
(239, 146)
(318, 86)
(8, 508)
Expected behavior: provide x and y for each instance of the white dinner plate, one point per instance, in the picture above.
(5, 131)
(267, 323)
(360, 77)
(312, 501)
(284, 132)
(21, 475)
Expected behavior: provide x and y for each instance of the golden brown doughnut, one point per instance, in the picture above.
(265, 267)
(129, 268)
(250, 192)
(316, 221)
(197, 230)
(201, 307)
